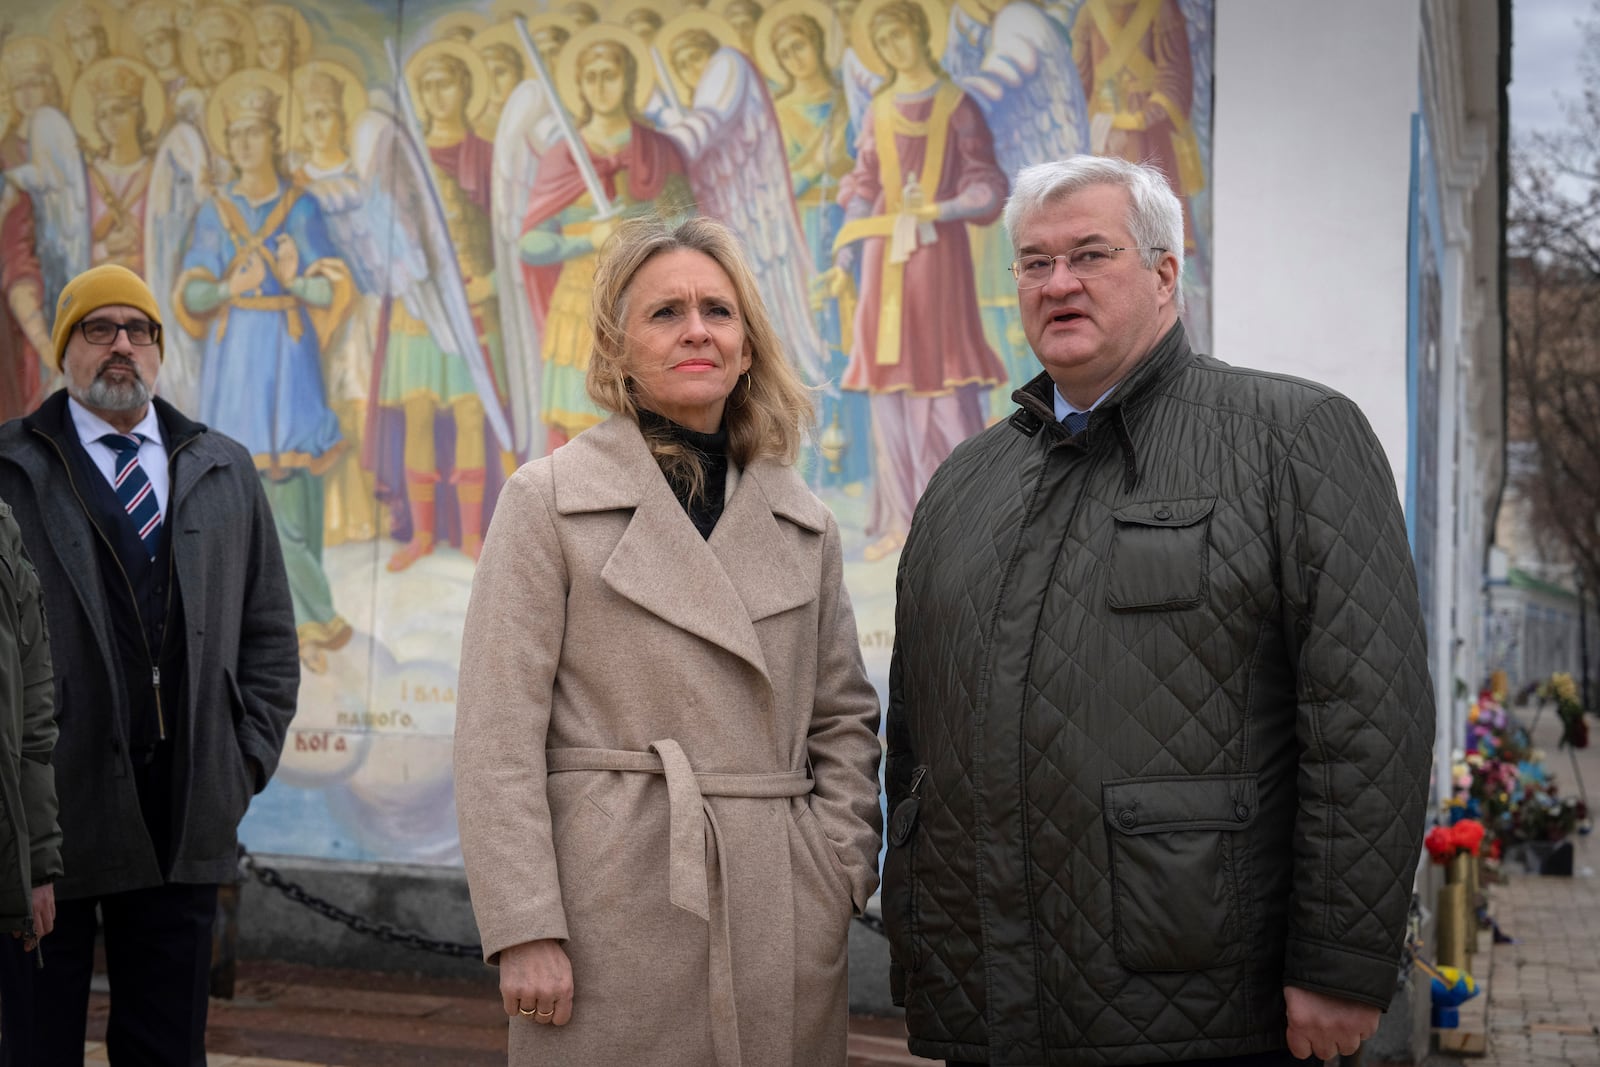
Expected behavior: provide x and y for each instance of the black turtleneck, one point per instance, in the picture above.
(712, 451)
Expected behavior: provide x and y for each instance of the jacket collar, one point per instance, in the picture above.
(179, 432)
(1036, 404)
(52, 419)
(715, 589)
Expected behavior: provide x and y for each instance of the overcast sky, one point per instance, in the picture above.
(1546, 40)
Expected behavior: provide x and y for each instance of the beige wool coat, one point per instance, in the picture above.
(666, 755)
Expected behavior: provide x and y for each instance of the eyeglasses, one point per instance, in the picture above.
(140, 332)
(1085, 261)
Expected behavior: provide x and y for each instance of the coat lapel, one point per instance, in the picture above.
(661, 563)
(761, 563)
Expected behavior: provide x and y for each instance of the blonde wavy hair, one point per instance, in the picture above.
(769, 408)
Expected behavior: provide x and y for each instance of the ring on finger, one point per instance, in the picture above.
(525, 1011)
(545, 1014)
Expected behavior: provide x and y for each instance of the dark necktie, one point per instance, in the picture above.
(1075, 422)
(133, 488)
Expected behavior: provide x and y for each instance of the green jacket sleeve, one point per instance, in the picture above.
(38, 781)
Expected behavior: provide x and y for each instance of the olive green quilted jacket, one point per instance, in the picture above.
(30, 837)
(1160, 724)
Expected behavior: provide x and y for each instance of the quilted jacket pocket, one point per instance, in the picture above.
(1158, 555)
(1178, 895)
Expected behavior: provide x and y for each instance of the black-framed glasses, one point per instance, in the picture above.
(1085, 261)
(140, 332)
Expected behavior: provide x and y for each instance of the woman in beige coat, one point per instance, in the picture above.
(666, 744)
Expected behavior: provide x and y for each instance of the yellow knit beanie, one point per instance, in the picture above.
(96, 288)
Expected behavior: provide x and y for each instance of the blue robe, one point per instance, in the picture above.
(261, 380)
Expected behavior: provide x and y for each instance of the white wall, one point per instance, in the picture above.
(1311, 173)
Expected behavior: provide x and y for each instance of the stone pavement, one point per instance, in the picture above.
(285, 1015)
(1544, 996)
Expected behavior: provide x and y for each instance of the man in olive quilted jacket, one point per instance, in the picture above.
(1160, 719)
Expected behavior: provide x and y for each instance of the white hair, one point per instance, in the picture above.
(1155, 217)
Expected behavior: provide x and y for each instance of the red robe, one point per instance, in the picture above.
(941, 329)
(19, 266)
(649, 159)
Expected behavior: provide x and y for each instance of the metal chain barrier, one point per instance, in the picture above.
(389, 932)
(873, 923)
(383, 931)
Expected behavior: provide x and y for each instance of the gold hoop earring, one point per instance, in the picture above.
(747, 387)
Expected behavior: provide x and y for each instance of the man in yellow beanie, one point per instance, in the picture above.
(176, 673)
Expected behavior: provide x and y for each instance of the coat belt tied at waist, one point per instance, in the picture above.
(690, 821)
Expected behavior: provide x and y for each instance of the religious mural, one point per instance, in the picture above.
(372, 228)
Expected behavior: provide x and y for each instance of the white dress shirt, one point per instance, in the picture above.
(1063, 406)
(152, 451)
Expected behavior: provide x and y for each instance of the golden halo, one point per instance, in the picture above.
(61, 64)
(476, 68)
(129, 42)
(354, 97)
(591, 14)
(459, 26)
(867, 52)
(693, 19)
(297, 26)
(619, 10)
(231, 86)
(552, 20)
(505, 32)
(110, 21)
(720, 7)
(767, 56)
(566, 72)
(244, 31)
(153, 95)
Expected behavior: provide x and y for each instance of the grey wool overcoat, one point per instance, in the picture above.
(666, 755)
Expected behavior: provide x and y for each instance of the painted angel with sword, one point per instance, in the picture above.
(577, 162)
(718, 151)
(441, 374)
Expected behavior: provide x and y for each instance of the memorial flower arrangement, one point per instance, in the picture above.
(1500, 783)
(1462, 838)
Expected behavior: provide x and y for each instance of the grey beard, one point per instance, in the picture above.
(108, 396)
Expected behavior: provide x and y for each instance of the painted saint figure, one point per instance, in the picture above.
(503, 58)
(262, 286)
(817, 135)
(24, 325)
(153, 25)
(109, 110)
(1138, 80)
(925, 170)
(419, 380)
(328, 174)
(641, 171)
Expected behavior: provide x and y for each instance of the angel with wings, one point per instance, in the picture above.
(29, 275)
(791, 45)
(728, 131)
(325, 96)
(925, 171)
(561, 189)
(103, 189)
(262, 288)
(441, 372)
(1014, 61)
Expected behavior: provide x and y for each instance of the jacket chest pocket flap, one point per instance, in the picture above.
(1158, 554)
(1179, 889)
